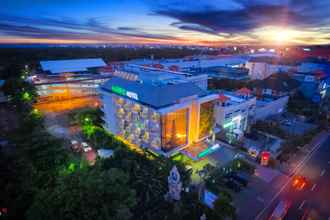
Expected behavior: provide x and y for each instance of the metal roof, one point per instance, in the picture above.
(73, 65)
(155, 96)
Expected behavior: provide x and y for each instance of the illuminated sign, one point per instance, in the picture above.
(228, 124)
(121, 91)
(118, 90)
(208, 151)
(132, 95)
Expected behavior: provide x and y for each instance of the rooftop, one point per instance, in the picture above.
(233, 98)
(279, 82)
(156, 96)
(72, 65)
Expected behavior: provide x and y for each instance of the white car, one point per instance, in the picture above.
(86, 147)
(280, 210)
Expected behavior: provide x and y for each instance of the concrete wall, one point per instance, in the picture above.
(262, 70)
(269, 108)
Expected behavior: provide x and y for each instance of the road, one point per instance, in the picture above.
(315, 196)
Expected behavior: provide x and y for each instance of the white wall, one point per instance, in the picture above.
(262, 70)
(266, 109)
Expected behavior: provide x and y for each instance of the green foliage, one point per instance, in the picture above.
(223, 208)
(242, 165)
(299, 105)
(269, 127)
(91, 194)
(226, 84)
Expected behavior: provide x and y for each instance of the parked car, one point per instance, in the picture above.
(240, 177)
(85, 147)
(75, 146)
(233, 185)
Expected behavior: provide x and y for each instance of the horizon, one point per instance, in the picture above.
(202, 23)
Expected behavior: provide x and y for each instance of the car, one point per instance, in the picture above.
(85, 147)
(233, 185)
(240, 177)
(280, 210)
(75, 146)
(299, 182)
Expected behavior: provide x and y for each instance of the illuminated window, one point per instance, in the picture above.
(206, 119)
(174, 129)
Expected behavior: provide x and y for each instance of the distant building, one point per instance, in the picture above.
(263, 67)
(277, 85)
(194, 63)
(313, 65)
(72, 66)
(232, 73)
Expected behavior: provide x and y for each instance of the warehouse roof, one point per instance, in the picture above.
(73, 65)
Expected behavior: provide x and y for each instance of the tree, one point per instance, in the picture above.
(86, 194)
(223, 207)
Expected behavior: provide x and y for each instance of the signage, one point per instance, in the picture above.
(121, 91)
(208, 151)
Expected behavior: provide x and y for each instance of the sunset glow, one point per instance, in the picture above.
(166, 22)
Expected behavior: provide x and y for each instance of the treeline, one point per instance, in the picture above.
(32, 56)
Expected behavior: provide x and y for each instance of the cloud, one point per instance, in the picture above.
(69, 28)
(250, 15)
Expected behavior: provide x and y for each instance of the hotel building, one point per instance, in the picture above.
(163, 118)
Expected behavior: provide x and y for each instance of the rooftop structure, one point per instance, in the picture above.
(71, 66)
(233, 73)
(234, 112)
(156, 76)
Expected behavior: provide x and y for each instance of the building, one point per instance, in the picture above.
(269, 106)
(66, 79)
(262, 67)
(232, 73)
(77, 66)
(277, 85)
(163, 118)
(194, 63)
(234, 112)
(158, 76)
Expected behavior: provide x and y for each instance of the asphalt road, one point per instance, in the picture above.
(315, 197)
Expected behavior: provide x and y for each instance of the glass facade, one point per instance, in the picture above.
(174, 129)
(206, 119)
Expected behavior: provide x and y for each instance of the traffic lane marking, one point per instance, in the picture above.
(313, 187)
(302, 204)
(322, 172)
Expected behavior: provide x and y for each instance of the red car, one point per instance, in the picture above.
(299, 182)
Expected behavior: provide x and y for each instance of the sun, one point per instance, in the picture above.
(277, 35)
(283, 36)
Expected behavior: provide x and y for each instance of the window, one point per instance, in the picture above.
(206, 119)
(174, 129)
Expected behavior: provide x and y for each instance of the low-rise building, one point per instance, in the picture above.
(277, 85)
(263, 67)
(234, 112)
